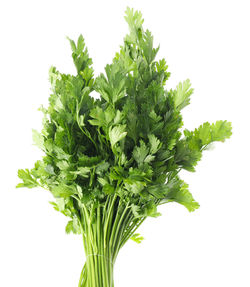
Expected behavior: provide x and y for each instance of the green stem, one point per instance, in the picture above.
(131, 231)
(105, 230)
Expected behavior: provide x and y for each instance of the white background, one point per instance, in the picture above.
(206, 41)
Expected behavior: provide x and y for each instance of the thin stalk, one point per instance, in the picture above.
(108, 221)
(125, 224)
(133, 228)
(117, 229)
(106, 227)
(82, 276)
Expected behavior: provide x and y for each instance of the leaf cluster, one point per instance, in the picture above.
(128, 142)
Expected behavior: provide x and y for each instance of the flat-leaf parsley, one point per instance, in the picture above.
(109, 162)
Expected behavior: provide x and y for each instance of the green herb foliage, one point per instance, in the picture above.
(109, 162)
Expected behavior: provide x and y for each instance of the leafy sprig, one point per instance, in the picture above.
(130, 137)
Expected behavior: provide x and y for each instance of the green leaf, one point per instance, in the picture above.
(102, 167)
(221, 130)
(108, 189)
(182, 94)
(156, 118)
(98, 116)
(136, 174)
(136, 210)
(63, 190)
(158, 191)
(182, 195)
(82, 171)
(208, 133)
(109, 115)
(63, 165)
(135, 21)
(204, 133)
(116, 134)
(80, 55)
(73, 226)
(187, 156)
(60, 203)
(69, 227)
(134, 187)
(155, 144)
(50, 169)
(72, 44)
(147, 47)
(140, 152)
(38, 139)
(102, 181)
(80, 44)
(151, 209)
(149, 158)
(189, 149)
(28, 180)
(118, 117)
(136, 237)
(102, 118)
(102, 86)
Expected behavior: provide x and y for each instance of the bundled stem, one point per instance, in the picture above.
(106, 229)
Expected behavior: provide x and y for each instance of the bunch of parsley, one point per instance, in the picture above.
(109, 162)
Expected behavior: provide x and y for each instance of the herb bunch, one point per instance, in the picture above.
(109, 162)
